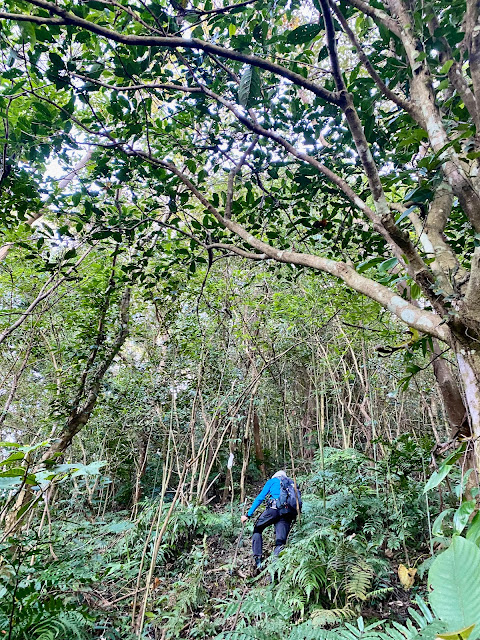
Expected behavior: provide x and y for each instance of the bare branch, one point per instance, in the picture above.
(377, 14)
(138, 87)
(404, 104)
(233, 173)
(238, 251)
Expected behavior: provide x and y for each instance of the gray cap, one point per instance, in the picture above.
(280, 474)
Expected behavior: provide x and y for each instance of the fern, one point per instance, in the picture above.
(324, 617)
(358, 580)
(188, 594)
(53, 620)
(70, 624)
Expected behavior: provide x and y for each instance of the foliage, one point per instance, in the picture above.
(455, 589)
(380, 500)
(31, 606)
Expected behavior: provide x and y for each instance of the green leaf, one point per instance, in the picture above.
(419, 195)
(437, 525)
(461, 634)
(454, 578)
(386, 265)
(56, 60)
(366, 264)
(16, 472)
(119, 527)
(17, 455)
(462, 514)
(473, 531)
(456, 455)
(92, 469)
(446, 67)
(437, 476)
(304, 33)
(232, 29)
(249, 89)
(403, 215)
(71, 253)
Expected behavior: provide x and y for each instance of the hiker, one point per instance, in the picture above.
(281, 511)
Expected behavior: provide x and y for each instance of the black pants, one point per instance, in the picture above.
(282, 524)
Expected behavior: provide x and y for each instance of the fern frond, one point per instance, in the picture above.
(358, 581)
(322, 617)
(378, 593)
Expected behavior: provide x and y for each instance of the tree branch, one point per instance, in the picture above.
(45, 292)
(377, 14)
(173, 42)
(237, 250)
(81, 415)
(231, 177)
(404, 104)
(415, 265)
(422, 320)
(138, 87)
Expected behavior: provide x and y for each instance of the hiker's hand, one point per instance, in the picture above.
(244, 518)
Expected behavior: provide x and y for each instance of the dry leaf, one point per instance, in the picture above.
(407, 576)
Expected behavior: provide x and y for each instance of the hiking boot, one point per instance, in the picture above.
(258, 562)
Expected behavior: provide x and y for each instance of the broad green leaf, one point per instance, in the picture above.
(17, 455)
(454, 580)
(366, 264)
(304, 33)
(249, 89)
(16, 472)
(437, 476)
(119, 527)
(91, 469)
(456, 455)
(386, 265)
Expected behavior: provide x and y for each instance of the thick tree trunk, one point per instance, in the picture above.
(469, 366)
(452, 397)
(468, 359)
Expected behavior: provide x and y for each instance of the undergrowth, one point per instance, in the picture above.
(359, 518)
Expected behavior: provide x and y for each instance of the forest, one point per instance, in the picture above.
(239, 238)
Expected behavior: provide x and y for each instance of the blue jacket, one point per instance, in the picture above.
(272, 488)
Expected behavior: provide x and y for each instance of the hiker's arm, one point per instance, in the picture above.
(260, 498)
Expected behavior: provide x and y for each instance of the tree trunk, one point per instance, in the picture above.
(468, 359)
(258, 445)
(452, 398)
(140, 466)
(84, 405)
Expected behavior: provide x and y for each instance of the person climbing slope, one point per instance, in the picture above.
(283, 503)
